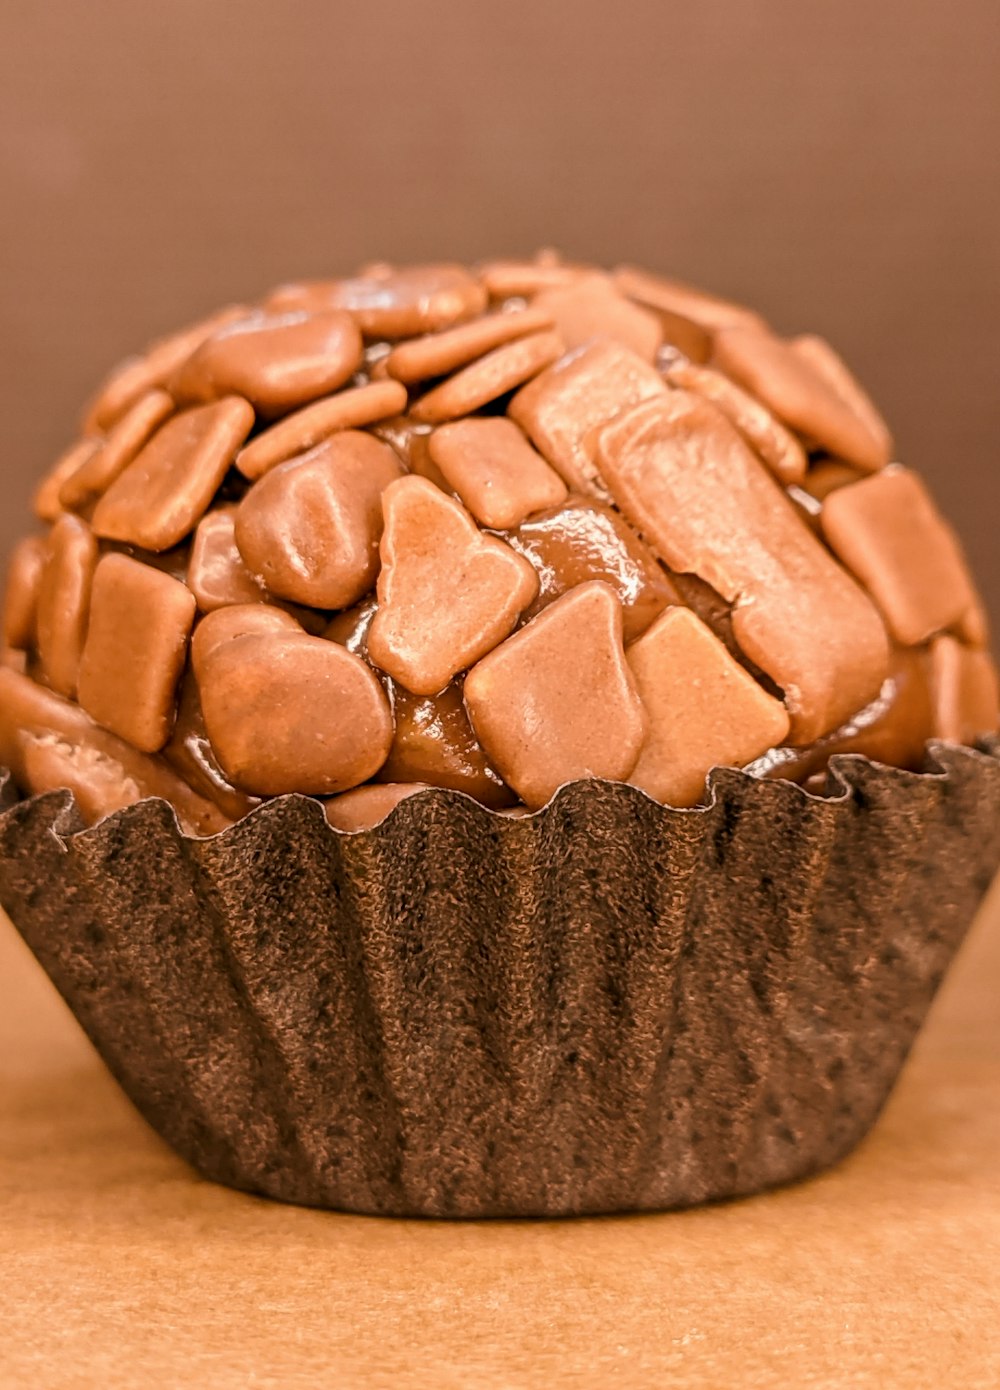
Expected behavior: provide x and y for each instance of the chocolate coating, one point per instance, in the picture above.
(585, 540)
(489, 529)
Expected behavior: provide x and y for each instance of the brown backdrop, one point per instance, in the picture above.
(835, 164)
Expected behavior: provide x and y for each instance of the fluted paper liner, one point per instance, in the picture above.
(606, 1006)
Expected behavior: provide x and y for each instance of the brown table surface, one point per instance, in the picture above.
(119, 1267)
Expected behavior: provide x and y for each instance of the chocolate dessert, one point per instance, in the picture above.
(495, 740)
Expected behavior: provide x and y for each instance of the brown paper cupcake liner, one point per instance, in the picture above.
(606, 1006)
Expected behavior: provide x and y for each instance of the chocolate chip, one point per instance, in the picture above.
(297, 433)
(591, 307)
(964, 691)
(275, 361)
(310, 528)
(684, 477)
(562, 410)
(889, 533)
(217, 574)
(136, 648)
(844, 384)
(389, 303)
(557, 701)
(671, 297)
(137, 375)
(127, 436)
(241, 620)
(49, 743)
(515, 279)
(704, 709)
(439, 353)
(788, 383)
(47, 500)
(166, 490)
(494, 470)
(20, 605)
(364, 807)
(287, 712)
(779, 449)
(446, 592)
(491, 376)
(64, 602)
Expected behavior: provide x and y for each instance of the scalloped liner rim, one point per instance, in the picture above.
(842, 772)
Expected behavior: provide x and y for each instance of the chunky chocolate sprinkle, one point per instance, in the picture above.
(488, 529)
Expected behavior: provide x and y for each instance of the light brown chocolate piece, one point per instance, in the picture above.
(585, 540)
(287, 712)
(166, 490)
(434, 743)
(217, 574)
(704, 709)
(64, 602)
(494, 470)
(390, 303)
(242, 620)
(310, 528)
(137, 375)
(276, 361)
(296, 434)
(591, 307)
(778, 447)
(439, 353)
(888, 532)
(46, 503)
(557, 702)
(20, 599)
(789, 385)
(510, 279)
(671, 297)
(563, 409)
(893, 729)
(127, 436)
(500, 371)
(844, 384)
(140, 621)
(685, 478)
(50, 744)
(964, 691)
(365, 807)
(446, 592)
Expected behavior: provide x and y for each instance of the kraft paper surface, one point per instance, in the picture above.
(120, 1268)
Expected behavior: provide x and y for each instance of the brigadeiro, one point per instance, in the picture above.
(495, 741)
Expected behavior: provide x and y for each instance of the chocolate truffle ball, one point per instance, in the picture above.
(492, 529)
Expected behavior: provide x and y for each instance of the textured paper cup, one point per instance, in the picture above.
(606, 1006)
